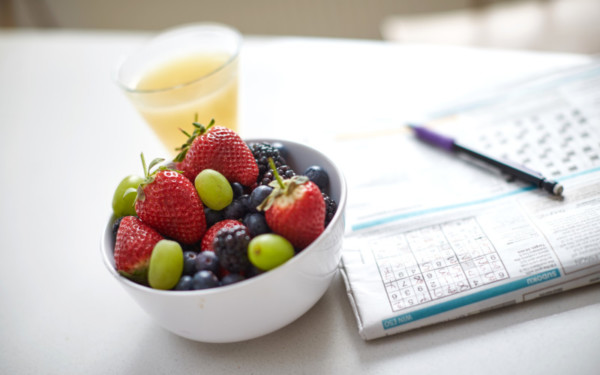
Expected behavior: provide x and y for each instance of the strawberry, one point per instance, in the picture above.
(169, 203)
(295, 209)
(211, 233)
(218, 148)
(133, 247)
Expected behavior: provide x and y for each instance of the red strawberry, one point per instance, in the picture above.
(211, 233)
(218, 148)
(133, 247)
(295, 209)
(169, 203)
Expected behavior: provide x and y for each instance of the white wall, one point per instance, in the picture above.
(333, 18)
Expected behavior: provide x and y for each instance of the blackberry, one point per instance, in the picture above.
(283, 151)
(285, 172)
(262, 152)
(330, 208)
(231, 247)
(115, 228)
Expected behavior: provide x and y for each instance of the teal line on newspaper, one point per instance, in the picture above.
(389, 219)
(469, 299)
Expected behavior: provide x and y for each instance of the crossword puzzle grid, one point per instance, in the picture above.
(437, 261)
(555, 142)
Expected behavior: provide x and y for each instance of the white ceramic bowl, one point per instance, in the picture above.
(259, 305)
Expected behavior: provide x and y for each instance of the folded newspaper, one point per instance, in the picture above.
(434, 237)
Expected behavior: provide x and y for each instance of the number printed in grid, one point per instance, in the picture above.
(555, 142)
(437, 261)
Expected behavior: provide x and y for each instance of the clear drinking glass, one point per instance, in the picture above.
(182, 73)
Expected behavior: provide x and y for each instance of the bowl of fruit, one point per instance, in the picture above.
(231, 240)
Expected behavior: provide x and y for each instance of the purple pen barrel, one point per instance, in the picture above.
(433, 138)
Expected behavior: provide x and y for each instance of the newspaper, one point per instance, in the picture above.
(434, 237)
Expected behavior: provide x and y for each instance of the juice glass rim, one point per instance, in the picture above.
(171, 33)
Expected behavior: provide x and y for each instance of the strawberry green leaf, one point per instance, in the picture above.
(141, 196)
(154, 163)
(184, 132)
(139, 276)
(280, 187)
(198, 131)
(129, 191)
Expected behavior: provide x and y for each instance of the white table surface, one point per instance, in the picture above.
(68, 136)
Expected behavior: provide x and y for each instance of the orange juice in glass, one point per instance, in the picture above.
(184, 72)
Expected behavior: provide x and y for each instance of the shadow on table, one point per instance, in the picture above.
(307, 344)
(326, 337)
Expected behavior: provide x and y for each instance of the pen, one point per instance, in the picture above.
(518, 171)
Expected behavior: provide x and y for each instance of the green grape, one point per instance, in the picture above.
(166, 265)
(214, 189)
(124, 198)
(269, 250)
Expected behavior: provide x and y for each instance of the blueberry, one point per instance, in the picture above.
(236, 210)
(318, 175)
(204, 280)
(245, 199)
(207, 260)
(259, 194)
(231, 278)
(212, 216)
(189, 262)
(238, 189)
(256, 224)
(185, 283)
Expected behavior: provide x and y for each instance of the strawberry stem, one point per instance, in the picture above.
(199, 130)
(277, 176)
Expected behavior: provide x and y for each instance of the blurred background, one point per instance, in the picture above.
(543, 25)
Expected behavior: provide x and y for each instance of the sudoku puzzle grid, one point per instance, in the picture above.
(437, 261)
